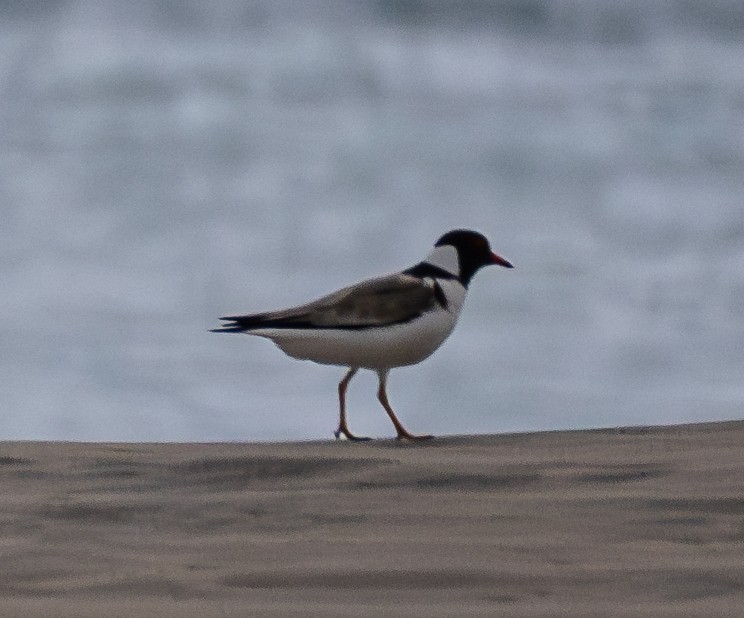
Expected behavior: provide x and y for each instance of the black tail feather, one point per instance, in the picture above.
(227, 329)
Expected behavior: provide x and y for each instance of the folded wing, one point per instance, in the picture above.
(377, 302)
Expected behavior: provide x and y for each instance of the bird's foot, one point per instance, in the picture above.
(349, 436)
(404, 435)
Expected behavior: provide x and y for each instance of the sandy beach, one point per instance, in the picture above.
(619, 522)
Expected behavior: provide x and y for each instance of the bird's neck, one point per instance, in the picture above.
(446, 258)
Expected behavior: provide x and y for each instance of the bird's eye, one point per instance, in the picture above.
(479, 244)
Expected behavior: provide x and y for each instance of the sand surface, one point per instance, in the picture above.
(636, 522)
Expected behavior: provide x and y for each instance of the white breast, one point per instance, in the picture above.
(455, 294)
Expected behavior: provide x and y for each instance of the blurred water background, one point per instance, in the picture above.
(163, 163)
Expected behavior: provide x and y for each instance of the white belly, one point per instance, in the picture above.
(371, 348)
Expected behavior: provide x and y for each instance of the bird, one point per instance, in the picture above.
(381, 323)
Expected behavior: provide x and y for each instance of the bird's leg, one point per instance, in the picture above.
(342, 428)
(403, 433)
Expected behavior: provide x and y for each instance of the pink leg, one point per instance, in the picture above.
(403, 433)
(342, 427)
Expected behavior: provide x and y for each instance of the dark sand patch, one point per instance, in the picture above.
(14, 461)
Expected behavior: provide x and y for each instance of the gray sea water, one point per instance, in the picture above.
(164, 163)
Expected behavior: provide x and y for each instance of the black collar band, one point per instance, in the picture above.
(424, 269)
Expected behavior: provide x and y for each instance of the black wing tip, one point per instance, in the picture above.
(239, 324)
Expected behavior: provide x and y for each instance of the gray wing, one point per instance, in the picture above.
(376, 302)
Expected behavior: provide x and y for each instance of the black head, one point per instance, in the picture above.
(473, 251)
